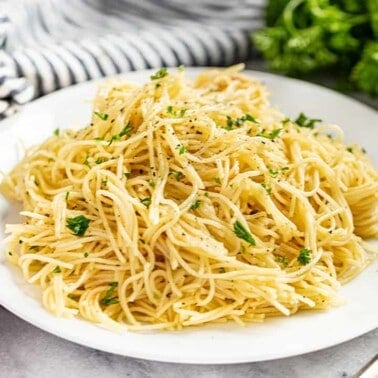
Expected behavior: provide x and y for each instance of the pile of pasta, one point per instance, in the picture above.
(191, 201)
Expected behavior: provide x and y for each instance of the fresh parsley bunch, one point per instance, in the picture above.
(307, 36)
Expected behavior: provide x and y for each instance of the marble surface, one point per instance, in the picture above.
(28, 352)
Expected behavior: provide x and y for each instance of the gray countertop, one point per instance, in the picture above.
(26, 351)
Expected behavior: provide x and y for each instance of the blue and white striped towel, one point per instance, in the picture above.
(50, 44)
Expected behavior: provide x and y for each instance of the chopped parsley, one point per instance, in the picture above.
(152, 183)
(177, 175)
(146, 201)
(100, 160)
(350, 149)
(267, 188)
(304, 256)
(103, 116)
(222, 270)
(176, 113)
(108, 298)
(10, 253)
(57, 270)
(67, 195)
(126, 130)
(86, 162)
(78, 225)
(273, 134)
(159, 74)
(217, 180)
(181, 149)
(304, 121)
(242, 233)
(99, 138)
(273, 173)
(56, 132)
(104, 182)
(113, 138)
(127, 174)
(230, 123)
(86, 254)
(196, 204)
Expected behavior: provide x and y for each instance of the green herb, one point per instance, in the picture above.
(126, 130)
(113, 138)
(86, 254)
(274, 133)
(267, 188)
(222, 270)
(206, 194)
(67, 195)
(350, 149)
(286, 120)
(127, 174)
(57, 270)
(304, 121)
(196, 204)
(50, 160)
(365, 74)
(78, 225)
(242, 233)
(56, 132)
(146, 201)
(100, 160)
(104, 182)
(159, 74)
(176, 113)
(10, 253)
(86, 162)
(217, 180)
(108, 299)
(157, 85)
(155, 295)
(285, 169)
(282, 260)
(181, 149)
(230, 123)
(304, 256)
(99, 138)
(152, 183)
(103, 116)
(181, 67)
(33, 247)
(177, 175)
(142, 241)
(273, 173)
(303, 37)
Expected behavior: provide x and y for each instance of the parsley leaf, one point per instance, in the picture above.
(146, 201)
(273, 173)
(108, 299)
(56, 132)
(239, 121)
(196, 204)
(242, 233)
(159, 74)
(103, 116)
(304, 256)
(304, 121)
(126, 130)
(282, 260)
(267, 188)
(177, 175)
(274, 133)
(57, 270)
(78, 225)
(152, 183)
(181, 149)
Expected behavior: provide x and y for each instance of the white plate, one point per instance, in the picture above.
(276, 338)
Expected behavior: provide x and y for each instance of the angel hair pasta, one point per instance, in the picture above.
(185, 202)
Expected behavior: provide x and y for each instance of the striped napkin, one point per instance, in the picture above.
(46, 45)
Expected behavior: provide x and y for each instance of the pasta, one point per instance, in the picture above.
(185, 202)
